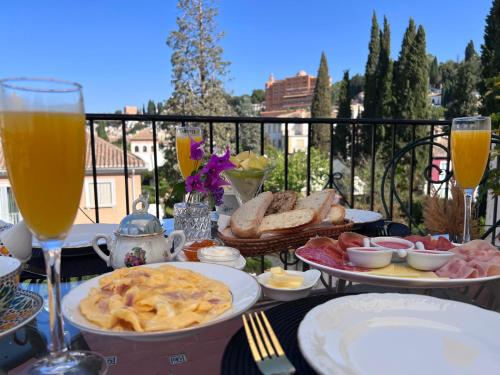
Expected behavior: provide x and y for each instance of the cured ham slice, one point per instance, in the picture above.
(327, 252)
(350, 239)
(430, 243)
(476, 258)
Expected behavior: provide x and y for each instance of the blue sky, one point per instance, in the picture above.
(117, 50)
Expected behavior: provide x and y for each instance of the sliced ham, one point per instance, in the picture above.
(350, 239)
(476, 258)
(441, 243)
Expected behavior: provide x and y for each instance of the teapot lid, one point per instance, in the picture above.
(139, 222)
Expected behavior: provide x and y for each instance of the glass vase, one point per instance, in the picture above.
(193, 219)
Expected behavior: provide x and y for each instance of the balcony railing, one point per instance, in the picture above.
(379, 197)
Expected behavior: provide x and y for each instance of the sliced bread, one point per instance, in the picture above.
(286, 221)
(336, 214)
(282, 201)
(320, 202)
(246, 219)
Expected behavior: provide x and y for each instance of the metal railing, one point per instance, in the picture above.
(354, 126)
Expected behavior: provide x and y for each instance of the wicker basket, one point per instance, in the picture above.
(262, 246)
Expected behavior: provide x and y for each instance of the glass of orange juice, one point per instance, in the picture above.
(183, 136)
(470, 147)
(42, 128)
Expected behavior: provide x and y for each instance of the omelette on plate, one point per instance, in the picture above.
(146, 299)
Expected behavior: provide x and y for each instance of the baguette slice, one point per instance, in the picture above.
(320, 202)
(287, 221)
(336, 214)
(282, 201)
(246, 219)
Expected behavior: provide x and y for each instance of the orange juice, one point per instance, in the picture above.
(183, 146)
(469, 155)
(45, 156)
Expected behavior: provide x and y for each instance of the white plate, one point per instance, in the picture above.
(244, 289)
(400, 334)
(81, 235)
(362, 216)
(240, 262)
(393, 281)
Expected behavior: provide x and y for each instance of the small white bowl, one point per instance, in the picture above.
(428, 260)
(370, 257)
(405, 245)
(311, 277)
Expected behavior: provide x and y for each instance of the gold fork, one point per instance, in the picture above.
(270, 358)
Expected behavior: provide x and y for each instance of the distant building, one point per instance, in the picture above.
(110, 185)
(297, 132)
(142, 146)
(435, 96)
(290, 93)
(130, 110)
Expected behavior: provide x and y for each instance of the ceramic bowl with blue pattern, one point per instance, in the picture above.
(10, 269)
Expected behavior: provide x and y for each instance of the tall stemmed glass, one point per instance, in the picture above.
(43, 137)
(182, 145)
(470, 147)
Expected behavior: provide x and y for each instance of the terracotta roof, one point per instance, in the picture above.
(143, 135)
(108, 156)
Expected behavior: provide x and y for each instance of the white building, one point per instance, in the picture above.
(141, 145)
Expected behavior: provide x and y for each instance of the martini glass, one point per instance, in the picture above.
(246, 183)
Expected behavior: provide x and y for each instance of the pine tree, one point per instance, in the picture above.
(371, 91)
(490, 49)
(341, 131)
(321, 105)
(383, 107)
(198, 67)
(434, 73)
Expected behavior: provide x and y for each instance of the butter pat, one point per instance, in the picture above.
(281, 279)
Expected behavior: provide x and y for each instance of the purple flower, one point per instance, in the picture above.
(194, 183)
(196, 149)
(218, 194)
(219, 164)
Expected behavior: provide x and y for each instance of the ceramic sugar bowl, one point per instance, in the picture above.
(139, 240)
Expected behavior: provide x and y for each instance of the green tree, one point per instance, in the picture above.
(101, 130)
(321, 105)
(411, 75)
(258, 96)
(356, 85)
(490, 52)
(159, 108)
(383, 100)
(249, 133)
(341, 131)
(198, 68)
(434, 78)
(371, 91)
(151, 109)
(470, 52)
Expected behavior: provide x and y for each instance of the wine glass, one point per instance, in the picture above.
(183, 134)
(43, 137)
(470, 147)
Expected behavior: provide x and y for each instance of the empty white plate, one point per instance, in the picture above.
(400, 334)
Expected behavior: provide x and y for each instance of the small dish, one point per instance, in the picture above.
(395, 243)
(370, 257)
(428, 260)
(311, 277)
(22, 309)
(223, 255)
(10, 269)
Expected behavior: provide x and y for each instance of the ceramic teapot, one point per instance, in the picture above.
(139, 240)
(16, 241)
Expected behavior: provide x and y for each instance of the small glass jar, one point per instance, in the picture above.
(223, 255)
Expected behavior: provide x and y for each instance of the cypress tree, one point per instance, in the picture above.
(470, 52)
(341, 133)
(383, 108)
(371, 92)
(421, 81)
(403, 74)
(490, 56)
(321, 105)
(434, 73)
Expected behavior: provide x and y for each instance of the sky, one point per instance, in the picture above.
(117, 48)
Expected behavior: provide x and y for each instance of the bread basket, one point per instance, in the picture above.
(280, 242)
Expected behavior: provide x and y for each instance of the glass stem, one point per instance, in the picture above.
(467, 215)
(52, 254)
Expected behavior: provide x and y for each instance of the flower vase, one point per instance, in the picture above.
(193, 219)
